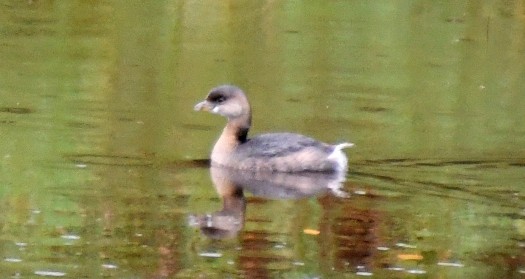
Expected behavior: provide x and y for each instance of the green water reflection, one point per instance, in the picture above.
(99, 141)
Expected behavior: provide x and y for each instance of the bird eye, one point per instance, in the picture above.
(220, 99)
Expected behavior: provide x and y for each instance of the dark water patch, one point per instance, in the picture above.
(81, 125)
(467, 162)
(373, 109)
(259, 259)
(455, 189)
(259, 266)
(181, 199)
(511, 216)
(16, 110)
(411, 162)
(471, 163)
(259, 220)
(293, 100)
(386, 161)
(7, 122)
(509, 262)
(488, 166)
(466, 39)
(29, 31)
(451, 163)
(109, 160)
(260, 234)
(126, 119)
(455, 20)
(190, 164)
(50, 96)
(258, 242)
(33, 21)
(434, 65)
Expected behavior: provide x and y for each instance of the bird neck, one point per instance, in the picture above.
(237, 128)
(234, 134)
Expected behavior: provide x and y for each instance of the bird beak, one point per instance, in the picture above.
(204, 106)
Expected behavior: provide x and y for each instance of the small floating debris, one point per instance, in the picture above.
(81, 166)
(12, 260)
(360, 192)
(405, 245)
(311, 231)
(451, 264)
(21, 244)
(410, 257)
(364, 273)
(298, 263)
(50, 273)
(210, 254)
(416, 271)
(70, 237)
(396, 268)
(16, 110)
(383, 248)
(109, 266)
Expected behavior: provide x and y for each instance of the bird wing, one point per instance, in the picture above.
(280, 144)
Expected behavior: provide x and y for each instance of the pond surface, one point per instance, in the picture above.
(103, 162)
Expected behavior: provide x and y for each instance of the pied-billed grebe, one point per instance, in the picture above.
(281, 152)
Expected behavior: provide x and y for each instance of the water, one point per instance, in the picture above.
(103, 162)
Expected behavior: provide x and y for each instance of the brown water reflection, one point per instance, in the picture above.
(352, 239)
(231, 184)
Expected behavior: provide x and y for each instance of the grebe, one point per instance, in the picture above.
(279, 152)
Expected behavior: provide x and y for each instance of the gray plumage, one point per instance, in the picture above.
(281, 152)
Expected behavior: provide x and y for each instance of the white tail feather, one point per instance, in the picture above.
(339, 157)
(344, 145)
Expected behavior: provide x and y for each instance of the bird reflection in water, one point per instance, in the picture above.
(230, 185)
